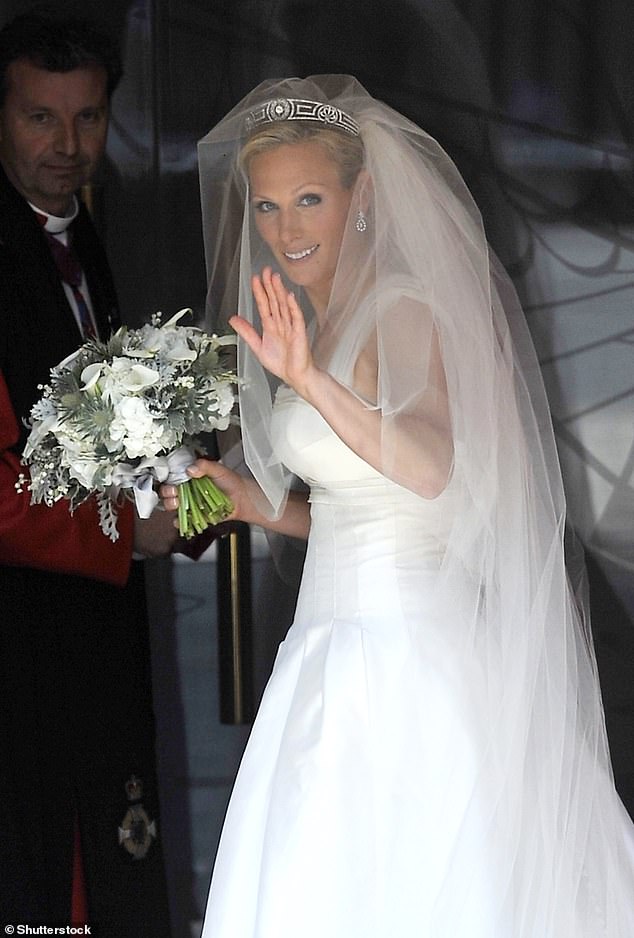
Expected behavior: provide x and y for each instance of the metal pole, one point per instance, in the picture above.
(235, 646)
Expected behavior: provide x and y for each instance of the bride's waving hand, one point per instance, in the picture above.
(283, 348)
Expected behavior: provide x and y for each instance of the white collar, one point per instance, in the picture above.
(54, 224)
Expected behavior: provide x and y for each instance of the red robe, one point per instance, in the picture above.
(50, 538)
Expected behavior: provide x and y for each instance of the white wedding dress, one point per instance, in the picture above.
(358, 808)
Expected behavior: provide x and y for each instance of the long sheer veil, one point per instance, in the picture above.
(419, 282)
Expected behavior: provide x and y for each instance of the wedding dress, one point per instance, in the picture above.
(339, 822)
(352, 811)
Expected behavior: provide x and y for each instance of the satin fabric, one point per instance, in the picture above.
(361, 801)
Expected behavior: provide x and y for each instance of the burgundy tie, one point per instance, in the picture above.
(71, 273)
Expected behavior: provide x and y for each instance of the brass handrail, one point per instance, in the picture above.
(235, 625)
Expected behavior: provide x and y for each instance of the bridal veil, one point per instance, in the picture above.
(420, 284)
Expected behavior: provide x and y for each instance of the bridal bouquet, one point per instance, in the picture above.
(119, 416)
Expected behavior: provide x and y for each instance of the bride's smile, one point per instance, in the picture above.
(301, 255)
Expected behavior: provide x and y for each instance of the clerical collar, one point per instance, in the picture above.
(53, 223)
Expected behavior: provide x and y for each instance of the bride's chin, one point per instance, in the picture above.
(294, 275)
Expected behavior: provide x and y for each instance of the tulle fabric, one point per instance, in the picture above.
(420, 292)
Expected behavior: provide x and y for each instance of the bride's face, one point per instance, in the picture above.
(301, 209)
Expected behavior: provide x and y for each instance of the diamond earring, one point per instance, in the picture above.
(361, 223)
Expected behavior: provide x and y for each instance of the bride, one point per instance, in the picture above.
(429, 759)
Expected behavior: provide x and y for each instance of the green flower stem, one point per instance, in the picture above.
(201, 503)
(183, 503)
(197, 517)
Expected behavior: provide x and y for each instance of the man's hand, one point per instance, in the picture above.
(155, 536)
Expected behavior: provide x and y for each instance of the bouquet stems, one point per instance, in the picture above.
(200, 503)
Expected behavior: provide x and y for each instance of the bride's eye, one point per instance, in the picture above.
(264, 207)
(310, 199)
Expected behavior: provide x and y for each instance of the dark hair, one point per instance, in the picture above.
(57, 44)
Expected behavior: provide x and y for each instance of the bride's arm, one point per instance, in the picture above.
(414, 448)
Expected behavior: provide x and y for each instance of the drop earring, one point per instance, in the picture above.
(361, 223)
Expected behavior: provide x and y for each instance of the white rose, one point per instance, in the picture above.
(134, 427)
(77, 458)
(176, 348)
(84, 470)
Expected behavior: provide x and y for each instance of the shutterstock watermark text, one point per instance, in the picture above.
(80, 930)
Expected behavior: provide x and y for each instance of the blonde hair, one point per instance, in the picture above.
(345, 149)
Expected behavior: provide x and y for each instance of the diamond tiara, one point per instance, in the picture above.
(299, 109)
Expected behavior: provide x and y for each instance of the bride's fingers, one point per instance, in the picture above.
(273, 314)
(261, 298)
(295, 311)
(271, 297)
(169, 496)
(246, 331)
(280, 292)
(291, 315)
(275, 297)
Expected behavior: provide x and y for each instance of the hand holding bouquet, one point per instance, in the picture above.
(122, 415)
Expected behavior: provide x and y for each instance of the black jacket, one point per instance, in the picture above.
(76, 719)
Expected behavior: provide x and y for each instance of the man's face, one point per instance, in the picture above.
(53, 129)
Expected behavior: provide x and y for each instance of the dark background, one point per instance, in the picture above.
(534, 100)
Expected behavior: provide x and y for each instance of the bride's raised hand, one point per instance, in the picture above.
(283, 347)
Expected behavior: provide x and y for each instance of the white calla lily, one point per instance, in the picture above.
(176, 317)
(91, 375)
(133, 377)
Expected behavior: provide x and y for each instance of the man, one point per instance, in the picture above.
(78, 798)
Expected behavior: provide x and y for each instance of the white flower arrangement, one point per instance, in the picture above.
(121, 415)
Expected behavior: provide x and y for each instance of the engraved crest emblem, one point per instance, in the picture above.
(136, 831)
